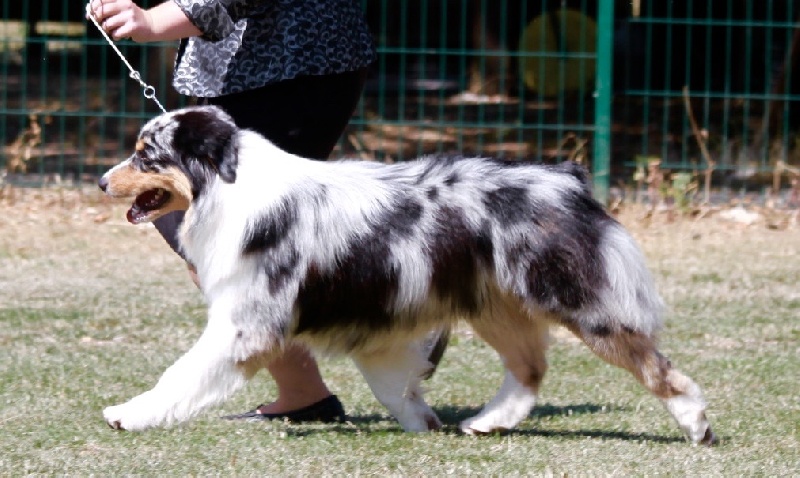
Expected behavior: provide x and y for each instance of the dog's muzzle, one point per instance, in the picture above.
(145, 204)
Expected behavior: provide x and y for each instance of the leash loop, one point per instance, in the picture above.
(148, 91)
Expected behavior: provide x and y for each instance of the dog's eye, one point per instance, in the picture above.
(146, 152)
(147, 161)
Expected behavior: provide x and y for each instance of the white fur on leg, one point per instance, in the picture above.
(510, 406)
(689, 411)
(394, 379)
(204, 376)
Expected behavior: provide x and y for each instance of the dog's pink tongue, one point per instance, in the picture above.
(134, 215)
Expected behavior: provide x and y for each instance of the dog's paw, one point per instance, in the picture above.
(121, 417)
(427, 422)
(432, 422)
(114, 417)
(132, 416)
(709, 438)
(702, 433)
(479, 426)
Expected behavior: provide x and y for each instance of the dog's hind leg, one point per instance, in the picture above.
(521, 342)
(394, 375)
(220, 363)
(637, 353)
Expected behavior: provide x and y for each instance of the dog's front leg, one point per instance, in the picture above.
(221, 361)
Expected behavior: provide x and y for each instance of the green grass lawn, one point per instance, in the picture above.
(92, 310)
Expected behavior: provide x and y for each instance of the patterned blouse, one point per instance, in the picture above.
(247, 44)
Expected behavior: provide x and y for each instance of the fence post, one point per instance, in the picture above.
(603, 91)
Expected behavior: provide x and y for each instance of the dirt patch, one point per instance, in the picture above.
(55, 241)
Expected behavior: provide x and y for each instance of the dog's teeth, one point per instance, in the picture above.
(156, 198)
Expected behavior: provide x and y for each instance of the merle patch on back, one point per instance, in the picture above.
(566, 267)
(400, 220)
(457, 256)
(509, 204)
(575, 170)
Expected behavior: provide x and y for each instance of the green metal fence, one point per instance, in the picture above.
(601, 81)
(68, 107)
(503, 78)
(730, 67)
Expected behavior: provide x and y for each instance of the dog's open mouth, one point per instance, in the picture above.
(146, 203)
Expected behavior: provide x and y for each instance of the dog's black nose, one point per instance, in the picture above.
(103, 183)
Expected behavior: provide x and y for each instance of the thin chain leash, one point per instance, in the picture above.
(149, 91)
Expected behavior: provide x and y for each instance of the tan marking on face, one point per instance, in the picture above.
(140, 145)
(129, 182)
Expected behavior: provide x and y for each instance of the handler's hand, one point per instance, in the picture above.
(123, 19)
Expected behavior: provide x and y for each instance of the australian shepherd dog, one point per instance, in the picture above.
(366, 259)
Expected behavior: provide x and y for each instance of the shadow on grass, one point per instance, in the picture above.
(451, 416)
(602, 434)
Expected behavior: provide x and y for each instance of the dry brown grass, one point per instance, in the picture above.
(82, 237)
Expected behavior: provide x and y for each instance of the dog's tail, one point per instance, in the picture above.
(630, 294)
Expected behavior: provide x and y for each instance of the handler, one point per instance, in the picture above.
(290, 70)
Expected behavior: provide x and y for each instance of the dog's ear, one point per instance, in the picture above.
(208, 134)
(229, 160)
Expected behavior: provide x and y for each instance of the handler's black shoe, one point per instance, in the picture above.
(327, 410)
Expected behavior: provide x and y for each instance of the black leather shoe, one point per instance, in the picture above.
(327, 410)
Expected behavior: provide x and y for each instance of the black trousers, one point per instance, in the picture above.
(303, 116)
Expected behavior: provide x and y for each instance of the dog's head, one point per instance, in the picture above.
(178, 154)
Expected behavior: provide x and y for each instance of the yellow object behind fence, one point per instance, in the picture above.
(557, 44)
